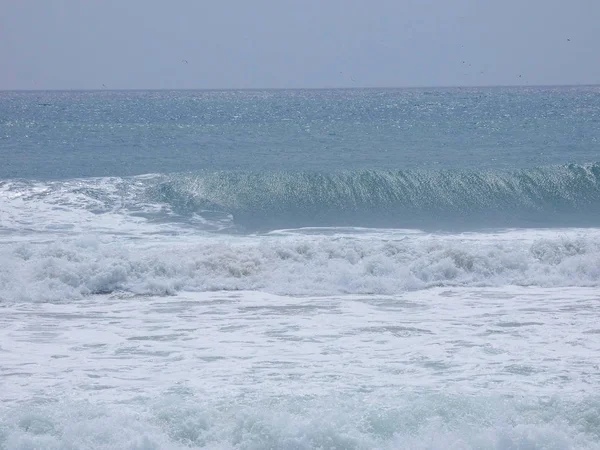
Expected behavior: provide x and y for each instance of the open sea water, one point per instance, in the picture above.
(303, 269)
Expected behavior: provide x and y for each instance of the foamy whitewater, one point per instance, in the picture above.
(344, 269)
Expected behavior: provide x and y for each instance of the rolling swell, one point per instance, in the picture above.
(567, 195)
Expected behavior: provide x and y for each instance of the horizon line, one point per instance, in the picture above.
(487, 86)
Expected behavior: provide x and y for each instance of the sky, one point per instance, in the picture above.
(210, 44)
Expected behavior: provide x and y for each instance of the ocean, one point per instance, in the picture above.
(300, 269)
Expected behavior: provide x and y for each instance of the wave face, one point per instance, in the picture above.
(556, 195)
(567, 195)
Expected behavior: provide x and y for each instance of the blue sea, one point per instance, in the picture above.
(300, 269)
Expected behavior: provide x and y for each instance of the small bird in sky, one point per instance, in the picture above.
(184, 61)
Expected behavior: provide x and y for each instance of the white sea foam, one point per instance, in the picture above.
(460, 368)
(298, 263)
(304, 338)
(175, 422)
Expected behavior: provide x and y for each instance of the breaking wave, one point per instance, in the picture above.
(440, 199)
(550, 196)
(299, 263)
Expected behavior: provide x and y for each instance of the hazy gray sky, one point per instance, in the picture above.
(85, 44)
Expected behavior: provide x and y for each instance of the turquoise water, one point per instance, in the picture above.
(57, 135)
